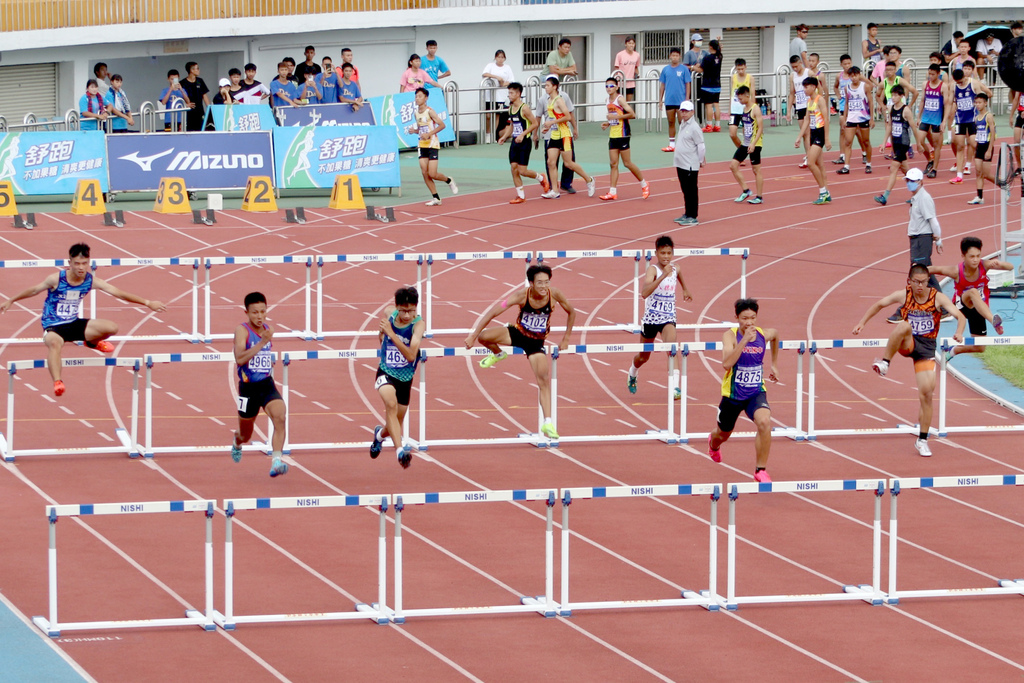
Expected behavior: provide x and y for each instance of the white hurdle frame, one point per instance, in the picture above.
(359, 259)
(542, 604)
(377, 612)
(896, 487)
(708, 599)
(128, 442)
(870, 593)
(306, 333)
(948, 343)
(52, 627)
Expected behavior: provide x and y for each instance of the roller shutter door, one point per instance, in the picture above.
(745, 43)
(28, 88)
(917, 40)
(828, 41)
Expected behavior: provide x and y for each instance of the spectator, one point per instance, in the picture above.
(711, 87)
(327, 82)
(963, 54)
(291, 70)
(251, 91)
(497, 99)
(198, 97)
(799, 45)
(688, 159)
(949, 50)
(348, 88)
(434, 65)
(171, 97)
(307, 67)
(1017, 29)
(870, 47)
(235, 76)
(223, 95)
(414, 77)
(892, 53)
(346, 58)
(628, 62)
(696, 53)
(91, 108)
(102, 77)
(308, 90)
(988, 49)
(118, 106)
(560, 61)
(283, 92)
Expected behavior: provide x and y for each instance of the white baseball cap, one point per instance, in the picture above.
(696, 38)
(225, 81)
(686, 106)
(914, 174)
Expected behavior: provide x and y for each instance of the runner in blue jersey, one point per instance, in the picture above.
(65, 291)
(401, 331)
(934, 106)
(743, 389)
(256, 389)
(965, 87)
(528, 332)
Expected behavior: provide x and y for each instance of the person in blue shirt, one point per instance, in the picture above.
(283, 92)
(308, 91)
(169, 98)
(91, 108)
(327, 82)
(434, 65)
(348, 88)
(119, 108)
(674, 89)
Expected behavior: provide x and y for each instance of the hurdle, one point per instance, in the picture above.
(944, 428)
(637, 255)
(543, 604)
(897, 486)
(119, 263)
(357, 260)
(870, 593)
(127, 441)
(52, 627)
(708, 599)
(377, 612)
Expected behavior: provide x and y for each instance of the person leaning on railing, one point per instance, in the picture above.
(497, 99)
(119, 108)
(91, 107)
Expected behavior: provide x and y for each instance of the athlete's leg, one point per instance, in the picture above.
(570, 163)
(935, 139)
(245, 427)
(542, 371)
(670, 114)
(864, 138)
(627, 161)
(641, 358)
(734, 133)
(434, 173)
(552, 159)
(925, 390)
(276, 411)
(524, 172)
(717, 438)
(613, 160)
(734, 166)
(96, 330)
(814, 164)
(54, 344)
(516, 175)
(493, 336)
(392, 419)
(846, 144)
(758, 179)
(901, 339)
(425, 172)
(763, 440)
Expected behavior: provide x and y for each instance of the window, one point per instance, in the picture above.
(536, 50)
(657, 45)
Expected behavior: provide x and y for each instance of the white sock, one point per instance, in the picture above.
(675, 379)
(822, 190)
(846, 166)
(276, 455)
(643, 183)
(633, 370)
(671, 142)
(521, 192)
(398, 452)
(547, 420)
(612, 191)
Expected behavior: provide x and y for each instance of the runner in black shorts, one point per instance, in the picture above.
(617, 125)
(899, 128)
(985, 133)
(750, 144)
(521, 124)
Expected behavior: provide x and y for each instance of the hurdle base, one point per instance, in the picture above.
(3, 449)
(541, 603)
(1012, 583)
(43, 624)
(126, 442)
(206, 624)
(380, 616)
(711, 603)
(867, 593)
(191, 618)
(663, 435)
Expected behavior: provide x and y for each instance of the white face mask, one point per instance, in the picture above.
(913, 185)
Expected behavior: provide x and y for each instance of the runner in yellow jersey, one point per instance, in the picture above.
(617, 125)
(753, 134)
(740, 77)
(428, 125)
(559, 118)
(815, 125)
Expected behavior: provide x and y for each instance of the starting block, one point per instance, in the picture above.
(114, 218)
(199, 219)
(296, 216)
(28, 221)
(372, 215)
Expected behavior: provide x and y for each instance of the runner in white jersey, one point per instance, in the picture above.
(659, 293)
(798, 97)
(859, 121)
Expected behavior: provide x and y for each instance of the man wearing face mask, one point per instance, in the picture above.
(923, 228)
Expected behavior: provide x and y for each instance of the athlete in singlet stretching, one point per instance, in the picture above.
(970, 291)
(659, 293)
(617, 125)
(65, 290)
(914, 336)
(521, 126)
(401, 331)
(256, 389)
(814, 128)
(558, 120)
(428, 125)
(983, 142)
(743, 390)
(528, 332)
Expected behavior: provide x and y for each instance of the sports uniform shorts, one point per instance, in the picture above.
(618, 143)
(737, 120)
(429, 153)
(560, 144)
(923, 351)
(741, 154)
(899, 151)
(983, 151)
(403, 389)
(801, 114)
(255, 395)
(529, 345)
(818, 137)
(729, 409)
(966, 128)
(519, 152)
(930, 127)
(1019, 121)
(70, 332)
(976, 323)
(652, 330)
(858, 124)
(708, 97)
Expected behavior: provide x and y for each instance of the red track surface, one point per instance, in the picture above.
(815, 270)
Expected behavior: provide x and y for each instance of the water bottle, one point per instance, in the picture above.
(783, 107)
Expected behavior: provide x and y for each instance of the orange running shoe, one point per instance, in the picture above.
(518, 200)
(716, 129)
(608, 197)
(668, 148)
(645, 191)
(104, 346)
(58, 388)
(544, 186)
(707, 128)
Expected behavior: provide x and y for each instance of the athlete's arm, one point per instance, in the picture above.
(570, 312)
(627, 111)
(50, 282)
(1014, 99)
(517, 299)
(888, 132)
(942, 301)
(996, 264)
(732, 350)
(791, 98)
(984, 88)
(411, 350)
(907, 86)
(686, 293)
(772, 335)
(948, 271)
(804, 125)
(652, 280)
(823, 108)
(895, 298)
(531, 121)
(110, 289)
(244, 355)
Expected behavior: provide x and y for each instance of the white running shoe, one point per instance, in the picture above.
(453, 186)
(433, 202)
(922, 448)
(591, 187)
(881, 366)
(551, 194)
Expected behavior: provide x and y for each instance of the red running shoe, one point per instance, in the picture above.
(58, 388)
(715, 453)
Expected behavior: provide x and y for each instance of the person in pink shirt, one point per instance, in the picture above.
(415, 77)
(628, 62)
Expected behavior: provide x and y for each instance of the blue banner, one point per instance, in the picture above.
(312, 156)
(399, 111)
(336, 114)
(240, 118)
(52, 163)
(206, 161)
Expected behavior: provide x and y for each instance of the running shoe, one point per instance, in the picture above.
(864, 157)
(548, 430)
(845, 170)
(58, 386)
(236, 451)
(823, 199)
(645, 191)
(677, 394)
(433, 202)
(896, 318)
(453, 186)
(277, 468)
(669, 148)
(715, 453)
(550, 194)
(881, 199)
(840, 160)
(967, 169)
(881, 366)
(910, 153)
(716, 129)
(543, 180)
(591, 187)
(707, 128)
(888, 144)
(517, 200)
(931, 174)
(803, 164)
(377, 442)
(569, 190)
(977, 200)
(888, 157)
(956, 181)
(103, 346)
(953, 169)
(743, 196)
(867, 168)
(755, 200)
(631, 384)
(762, 477)
(922, 448)
(608, 197)
(493, 358)
(997, 322)
(405, 457)
(949, 356)
(686, 220)
(929, 167)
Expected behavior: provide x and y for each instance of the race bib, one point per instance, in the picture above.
(801, 99)
(749, 377)
(897, 129)
(748, 131)
(67, 309)
(393, 358)
(931, 105)
(262, 362)
(243, 403)
(982, 135)
(964, 104)
(517, 129)
(535, 322)
(423, 129)
(921, 325)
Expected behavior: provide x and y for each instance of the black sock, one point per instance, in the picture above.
(923, 436)
(448, 181)
(436, 196)
(980, 194)
(758, 469)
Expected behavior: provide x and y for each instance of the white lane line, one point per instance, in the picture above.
(320, 405)
(497, 426)
(631, 426)
(105, 436)
(471, 414)
(441, 400)
(877, 419)
(217, 421)
(175, 397)
(344, 417)
(595, 410)
(195, 408)
(87, 424)
(509, 374)
(295, 393)
(71, 412)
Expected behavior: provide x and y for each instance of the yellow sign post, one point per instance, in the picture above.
(88, 199)
(259, 195)
(172, 197)
(347, 194)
